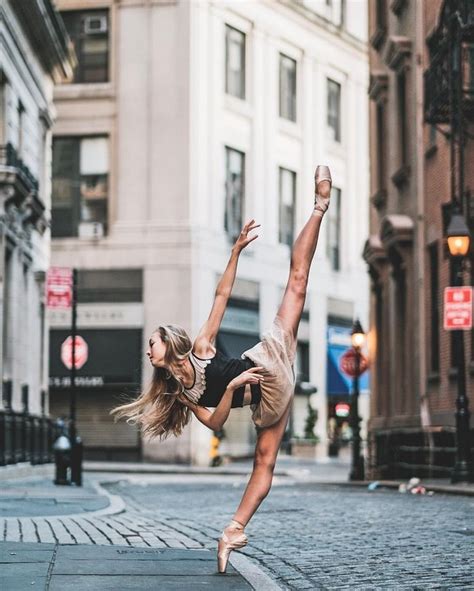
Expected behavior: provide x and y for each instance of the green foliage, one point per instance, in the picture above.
(311, 419)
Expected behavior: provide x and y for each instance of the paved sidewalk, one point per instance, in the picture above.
(102, 540)
(56, 567)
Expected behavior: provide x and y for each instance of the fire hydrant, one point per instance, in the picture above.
(214, 456)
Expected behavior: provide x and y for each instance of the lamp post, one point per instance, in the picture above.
(357, 469)
(458, 243)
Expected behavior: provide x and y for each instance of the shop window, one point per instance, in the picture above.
(234, 192)
(89, 32)
(334, 110)
(80, 187)
(113, 285)
(302, 362)
(287, 199)
(334, 230)
(234, 62)
(287, 88)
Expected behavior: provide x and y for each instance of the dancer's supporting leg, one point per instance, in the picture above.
(269, 439)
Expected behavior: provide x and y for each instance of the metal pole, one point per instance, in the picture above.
(463, 470)
(357, 471)
(72, 411)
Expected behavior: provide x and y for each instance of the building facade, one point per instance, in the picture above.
(413, 405)
(184, 119)
(35, 54)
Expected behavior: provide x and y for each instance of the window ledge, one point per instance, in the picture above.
(453, 374)
(238, 106)
(81, 91)
(290, 128)
(401, 176)
(433, 377)
(431, 151)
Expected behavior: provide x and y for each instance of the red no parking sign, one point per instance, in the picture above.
(458, 308)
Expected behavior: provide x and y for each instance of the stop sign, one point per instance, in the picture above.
(347, 363)
(81, 352)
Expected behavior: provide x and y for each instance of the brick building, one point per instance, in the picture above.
(412, 424)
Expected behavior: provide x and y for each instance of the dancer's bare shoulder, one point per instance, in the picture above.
(203, 348)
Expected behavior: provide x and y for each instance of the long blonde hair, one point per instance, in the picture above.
(158, 410)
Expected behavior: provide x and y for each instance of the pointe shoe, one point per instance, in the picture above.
(321, 203)
(230, 541)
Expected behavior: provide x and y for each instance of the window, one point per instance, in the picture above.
(381, 14)
(334, 110)
(89, 32)
(402, 118)
(113, 285)
(234, 192)
(434, 308)
(287, 88)
(334, 230)
(287, 190)
(302, 362)
(80, 187)
(381, 143)
(234, 62)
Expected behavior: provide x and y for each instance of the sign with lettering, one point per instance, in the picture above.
(458, 308)
(59, 287)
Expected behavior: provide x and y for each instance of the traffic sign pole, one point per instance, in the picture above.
(76, 443)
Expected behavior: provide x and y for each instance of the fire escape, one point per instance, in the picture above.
(449, 92)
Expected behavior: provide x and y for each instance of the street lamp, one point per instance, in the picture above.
(458, 243)
(358, 339)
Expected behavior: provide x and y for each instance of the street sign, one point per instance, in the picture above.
(347, 363)
(81, 352)
(59, 287)
(458, 308)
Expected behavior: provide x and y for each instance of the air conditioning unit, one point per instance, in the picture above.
(95, 25)
(91, 230)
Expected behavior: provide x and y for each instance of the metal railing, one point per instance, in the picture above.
(26, 438)
(9, 157)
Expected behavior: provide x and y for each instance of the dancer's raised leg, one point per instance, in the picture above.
(302, 255)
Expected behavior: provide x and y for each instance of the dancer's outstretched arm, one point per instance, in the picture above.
(208, 332)
(215, 420)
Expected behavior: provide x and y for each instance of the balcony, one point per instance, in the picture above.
(453, 36)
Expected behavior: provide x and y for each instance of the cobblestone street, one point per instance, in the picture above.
(305, 535)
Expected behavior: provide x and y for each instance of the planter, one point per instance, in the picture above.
(304, 448)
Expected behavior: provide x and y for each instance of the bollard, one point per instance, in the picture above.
(76, 462)
(62, 458)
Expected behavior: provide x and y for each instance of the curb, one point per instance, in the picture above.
(255, 577)
(467, 491)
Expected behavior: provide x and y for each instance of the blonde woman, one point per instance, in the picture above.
(193, 377)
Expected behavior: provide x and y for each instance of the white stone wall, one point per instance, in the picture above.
(27, 82)
(168, 119)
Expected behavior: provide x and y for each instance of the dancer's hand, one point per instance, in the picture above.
(244, 239)
(249, 376)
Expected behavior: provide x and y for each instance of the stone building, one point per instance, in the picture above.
(35, 54)
(184, 118)
(413, 405)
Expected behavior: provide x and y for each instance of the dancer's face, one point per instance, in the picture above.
(156, 350)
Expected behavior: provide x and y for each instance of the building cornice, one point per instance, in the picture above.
(48, 37)
(398, 53)
(378, 86)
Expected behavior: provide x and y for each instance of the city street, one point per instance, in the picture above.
(306, 535)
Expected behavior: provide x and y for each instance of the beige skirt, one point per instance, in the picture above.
(276, 354)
